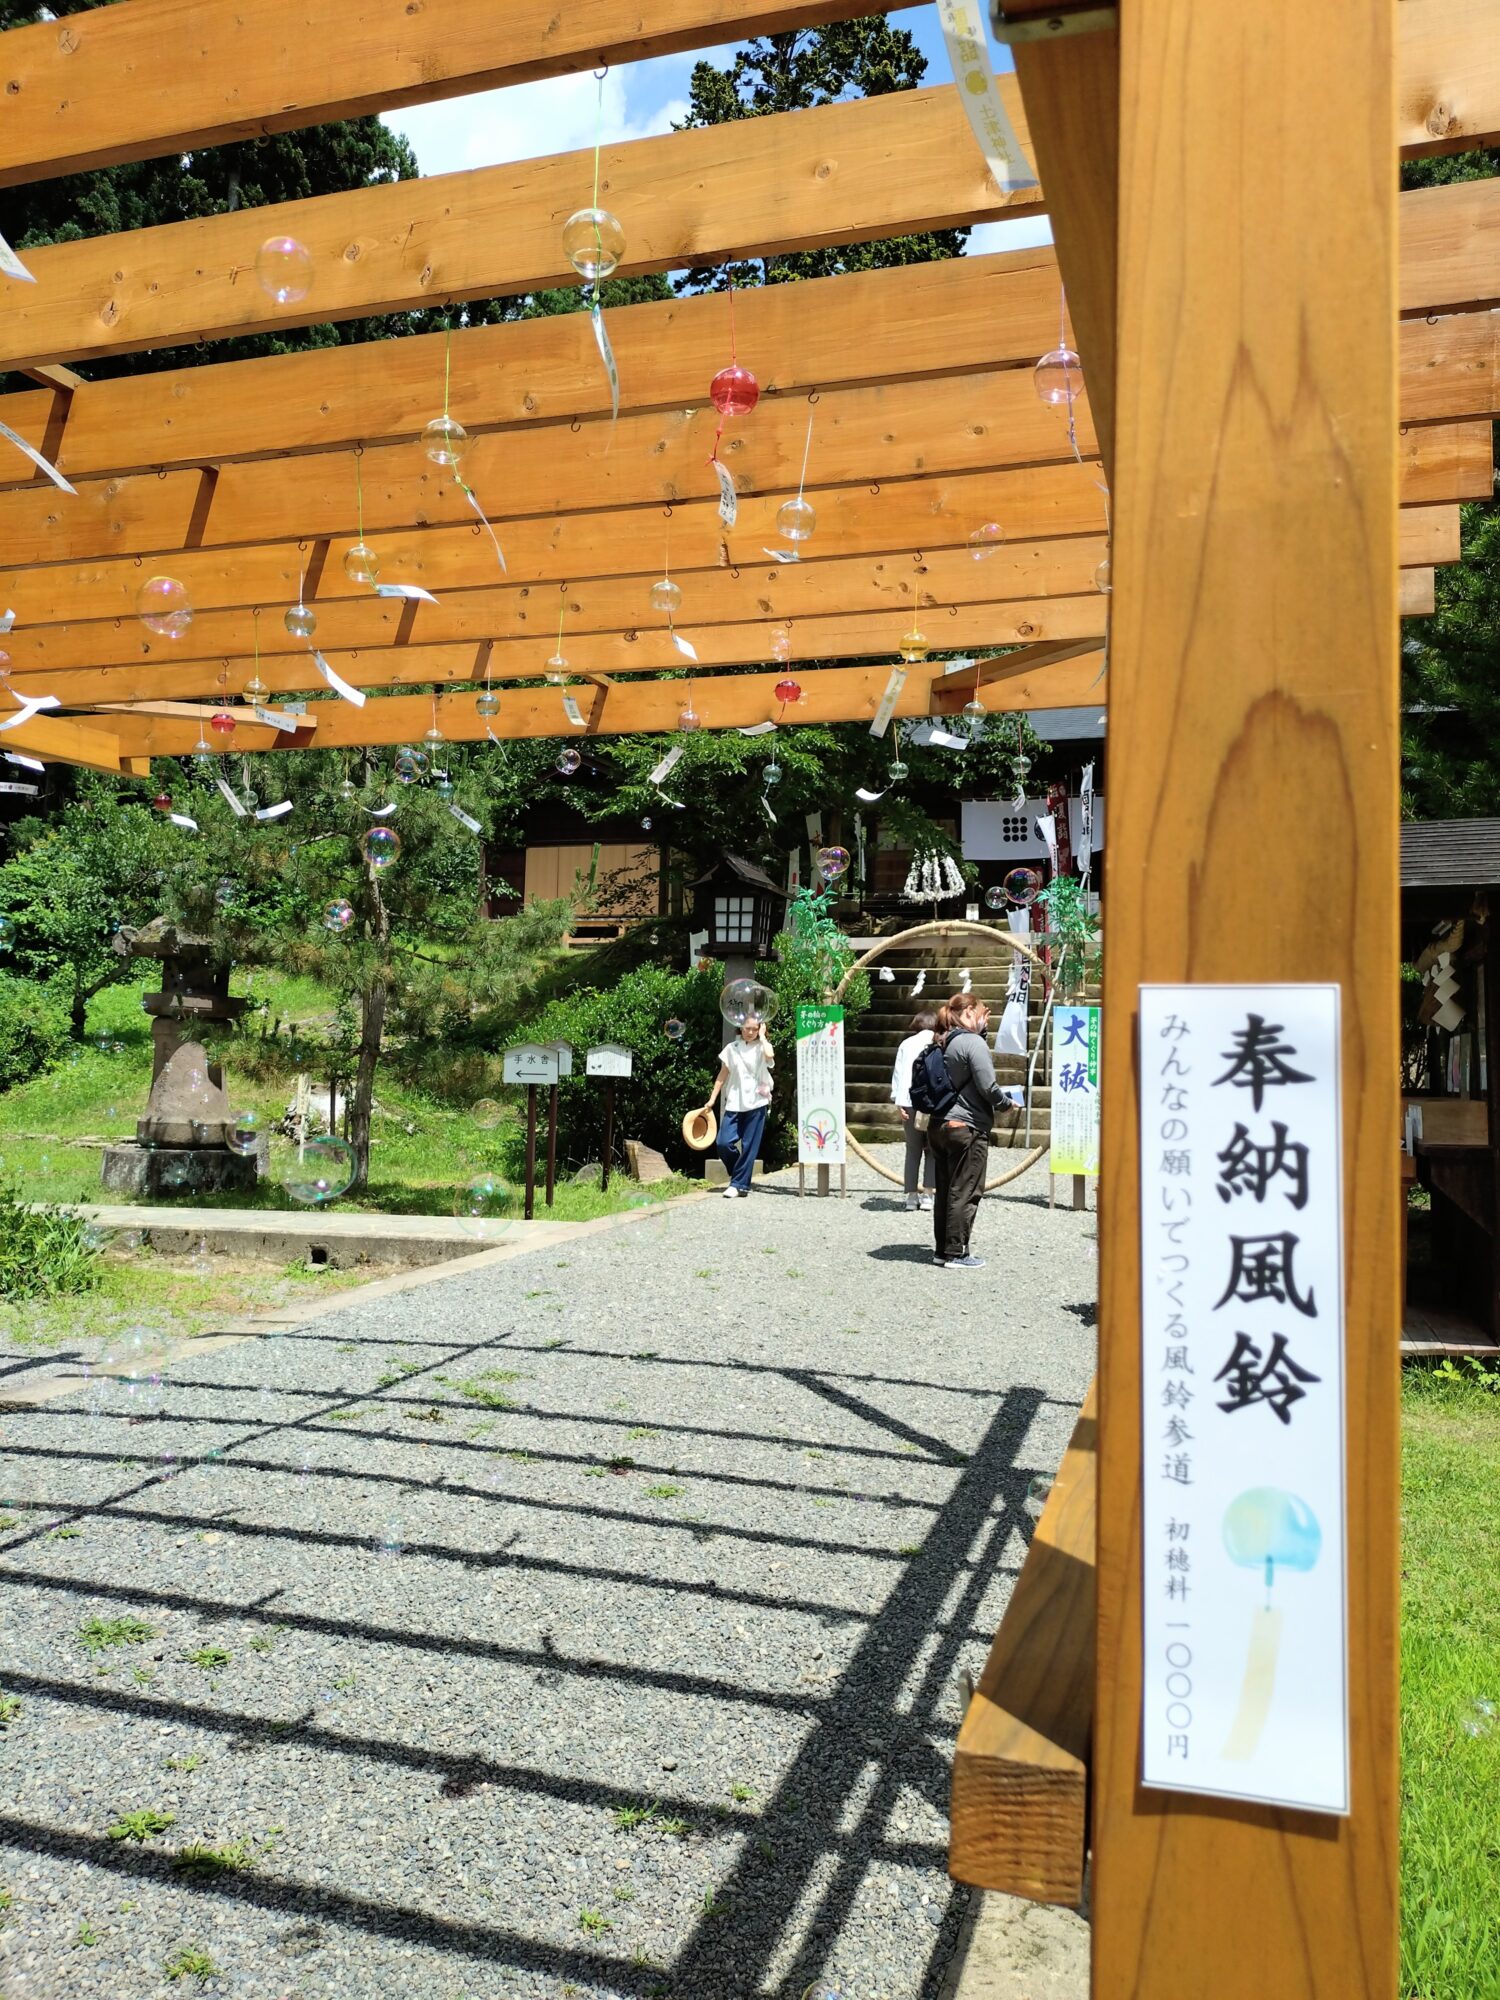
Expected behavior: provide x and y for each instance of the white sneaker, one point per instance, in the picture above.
(912, 1204)
(731, 1194)
(925, 1202)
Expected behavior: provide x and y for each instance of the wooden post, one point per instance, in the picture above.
(551, 1142)
(531, 1090)
(1253, 663)
(609, 1132)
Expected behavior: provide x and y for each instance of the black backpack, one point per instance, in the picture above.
(931, 1086)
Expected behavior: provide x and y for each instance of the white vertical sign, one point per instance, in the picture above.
(1242, 1377)
(820, 1087)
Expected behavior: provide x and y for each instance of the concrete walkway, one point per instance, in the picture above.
(585, 1623)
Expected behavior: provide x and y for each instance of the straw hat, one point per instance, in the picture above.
(700, 1128)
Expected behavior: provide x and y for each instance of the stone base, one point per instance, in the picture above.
(716, 1174)
(169, 1172)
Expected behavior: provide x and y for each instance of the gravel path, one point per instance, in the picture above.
(586, 1625)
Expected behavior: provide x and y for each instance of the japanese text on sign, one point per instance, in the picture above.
(820, 1086)
(1075, 1090)
(1242, 1403)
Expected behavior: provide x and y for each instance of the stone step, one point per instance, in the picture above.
(868, 1094)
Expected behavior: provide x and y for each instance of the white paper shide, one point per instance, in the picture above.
(1245, 1683)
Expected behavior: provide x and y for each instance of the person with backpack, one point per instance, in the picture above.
(920, 1185)
(953, 1081)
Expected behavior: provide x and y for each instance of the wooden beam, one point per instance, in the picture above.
(1448, 66)
(723, 701)
(995, 311)
(1255, 639)
(597, 656)
(799, 180)
(62, 740)
(944, 424)
(1019, 1820)
(852, 520)
(164, 76)
(965, 423)
(1418, 592)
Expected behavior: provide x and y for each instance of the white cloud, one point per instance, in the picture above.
(1027, 232)
(558, 115)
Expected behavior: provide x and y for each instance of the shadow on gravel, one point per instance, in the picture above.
(902, 1253)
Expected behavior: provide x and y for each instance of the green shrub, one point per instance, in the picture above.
(34, 1033)
(44, 1253)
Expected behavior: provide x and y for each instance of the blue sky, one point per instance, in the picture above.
(640, 100)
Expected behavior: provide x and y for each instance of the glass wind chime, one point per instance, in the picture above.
(594, 243)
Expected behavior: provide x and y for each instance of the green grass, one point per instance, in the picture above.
(1450, 1658)
(202, 1862)
(10, 1709)
(209, 1658)
(141, 1825)
(424, 1151)
(190, 1961)
(99, 1634)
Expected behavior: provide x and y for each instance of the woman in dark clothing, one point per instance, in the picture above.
(961, 1137)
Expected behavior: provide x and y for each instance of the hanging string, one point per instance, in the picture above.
(359, 487)
(596, 307)
(447, 365)
(806, 455)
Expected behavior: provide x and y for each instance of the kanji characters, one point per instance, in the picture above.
(1261, 1268)
(1258, 1059)
(1249, 1167)
(1273, 1378)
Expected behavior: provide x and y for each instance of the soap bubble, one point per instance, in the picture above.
(674, 1030)
(1102, 579)
(487, 1114)
(389, 1546)
(446, 442)
(1480, 1720)
(822, 1989)
(780, 638)
(1037, 1494)
(796, 519)
(5, 664)
(914, 646)
(300, 620)
(994, 897)
(985, 541)
(361, 564)
(568, 761)
(743, 998)
(646, 825)
(593, 242)
(734, 391)
(1059, 377)
(666, 596)
(318, 1170)
(164, 607)
(410, 766)
(381, 846)
(487, 703)
(688, 720)
(1022, 886)
(338, 916)
(285, 269)
(484, 1202)
(832, 862)
(242, 1133)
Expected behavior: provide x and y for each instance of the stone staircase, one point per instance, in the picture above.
(871, 1045)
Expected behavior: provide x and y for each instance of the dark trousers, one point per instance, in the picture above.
(919, 1163)
(962, 1154)
(739, 1143)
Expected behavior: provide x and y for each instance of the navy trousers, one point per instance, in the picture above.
(739, 1142)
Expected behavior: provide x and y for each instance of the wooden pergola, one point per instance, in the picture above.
(1292, 373)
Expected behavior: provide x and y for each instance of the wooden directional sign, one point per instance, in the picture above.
(529, 1062)
(564, 1054)
(609, 1059)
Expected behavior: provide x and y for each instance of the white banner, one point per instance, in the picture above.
(820, 1086)
(968, 52)
(1075, 1091)
(1244, 1691)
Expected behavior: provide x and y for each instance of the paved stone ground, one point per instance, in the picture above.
(582, 1625)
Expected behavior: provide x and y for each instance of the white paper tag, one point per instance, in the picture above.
(338, 685)
(31, 706)
(729, 500)
(232, 798)
(412, 592)
(275, 718)
(941, 740)
(815, 828)
(888, 702)
(607, 356)
(685, 647)
(21, 791)
(25, 763)
(758, 729)
(958, 666)
(379, 812)
(11, 264)
(7, 620)
(275, 812)
(572, 711)
(968, 55)
(463, 818)
(181, 819)
(42, 464)
(766, 803)
(782, 555)
(870, 797)
(473, 499)
(668, 763)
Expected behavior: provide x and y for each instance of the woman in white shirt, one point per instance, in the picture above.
(921, 1168)
(745, 1067)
